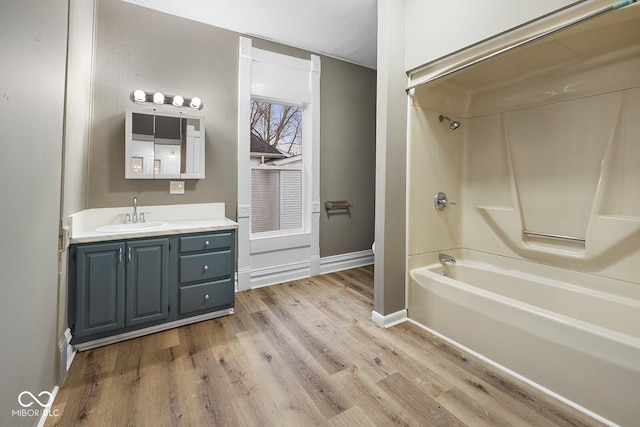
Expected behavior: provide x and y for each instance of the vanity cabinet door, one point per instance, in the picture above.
(99, 292)
(147, 281)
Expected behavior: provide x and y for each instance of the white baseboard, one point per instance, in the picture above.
(46, 411)
(330, 264)
(390, 319)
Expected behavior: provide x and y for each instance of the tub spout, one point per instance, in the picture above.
(444, 259)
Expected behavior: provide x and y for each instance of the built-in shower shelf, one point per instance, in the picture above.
(554, 236)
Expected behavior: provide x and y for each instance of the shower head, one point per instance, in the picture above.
(453, 125)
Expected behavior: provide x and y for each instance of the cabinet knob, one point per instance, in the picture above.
(206, 243)
(205, 268)
(206, 297)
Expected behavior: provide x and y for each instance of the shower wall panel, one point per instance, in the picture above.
(435, 164)
(568, 168)
(548, 143)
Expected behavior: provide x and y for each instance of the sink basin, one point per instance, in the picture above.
(130, 228)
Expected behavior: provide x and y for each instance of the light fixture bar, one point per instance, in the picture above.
(158, 98)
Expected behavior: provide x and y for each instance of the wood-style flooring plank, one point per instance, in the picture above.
(298, 354)
(279, 385)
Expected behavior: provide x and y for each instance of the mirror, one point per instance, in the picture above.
(163, 144)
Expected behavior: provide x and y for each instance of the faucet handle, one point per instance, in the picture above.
(441, 201)
(141, 216)
(127, 218)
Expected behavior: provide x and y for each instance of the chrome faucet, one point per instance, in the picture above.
(132, 218)
(135, 210)
(444, 259)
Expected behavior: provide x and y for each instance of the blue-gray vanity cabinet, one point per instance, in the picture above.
(205, 273)
(98, 298)
(147, 281)
(115, 287)
(128, 288)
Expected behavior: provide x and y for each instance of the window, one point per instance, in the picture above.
(276, 167)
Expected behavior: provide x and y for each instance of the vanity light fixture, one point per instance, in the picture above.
(196, 103)
(141, 97)
(178, 101)
(158, 98)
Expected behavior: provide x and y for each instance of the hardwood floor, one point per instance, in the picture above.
(297, 354)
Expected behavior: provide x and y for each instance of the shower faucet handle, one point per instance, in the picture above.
(441, 201)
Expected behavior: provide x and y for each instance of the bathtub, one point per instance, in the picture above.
(572, 334)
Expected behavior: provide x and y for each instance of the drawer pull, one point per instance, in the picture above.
(206, 297)
(206, 267)
(206, 243)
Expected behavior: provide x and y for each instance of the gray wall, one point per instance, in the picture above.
(347, 155)
(139, 48)
(391, 153)
(347, 150)
(32, 71)
(175, 55)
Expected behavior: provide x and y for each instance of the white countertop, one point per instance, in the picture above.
(178, 219)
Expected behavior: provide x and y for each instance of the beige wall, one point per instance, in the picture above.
(176, 55)
(33, 48)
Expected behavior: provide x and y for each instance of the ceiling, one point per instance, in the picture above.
(342, 29)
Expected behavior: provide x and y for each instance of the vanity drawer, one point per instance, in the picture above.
(205, 266)
(206, 296)
(205, 242)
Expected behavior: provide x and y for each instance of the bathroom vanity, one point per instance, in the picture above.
(144, 278)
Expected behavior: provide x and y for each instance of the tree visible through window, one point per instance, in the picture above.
(276, 167)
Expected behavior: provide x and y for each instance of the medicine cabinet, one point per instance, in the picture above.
(163, 144)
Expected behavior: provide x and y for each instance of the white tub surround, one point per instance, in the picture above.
(550, 325)
(179, 219)
(544, 172)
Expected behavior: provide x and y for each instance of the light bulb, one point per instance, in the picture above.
(158, 98)
(178, 101)
(139, 95)
(195, 103)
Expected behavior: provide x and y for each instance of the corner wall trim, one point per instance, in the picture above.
(330, 264)
(66, 353)
(390, 319)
